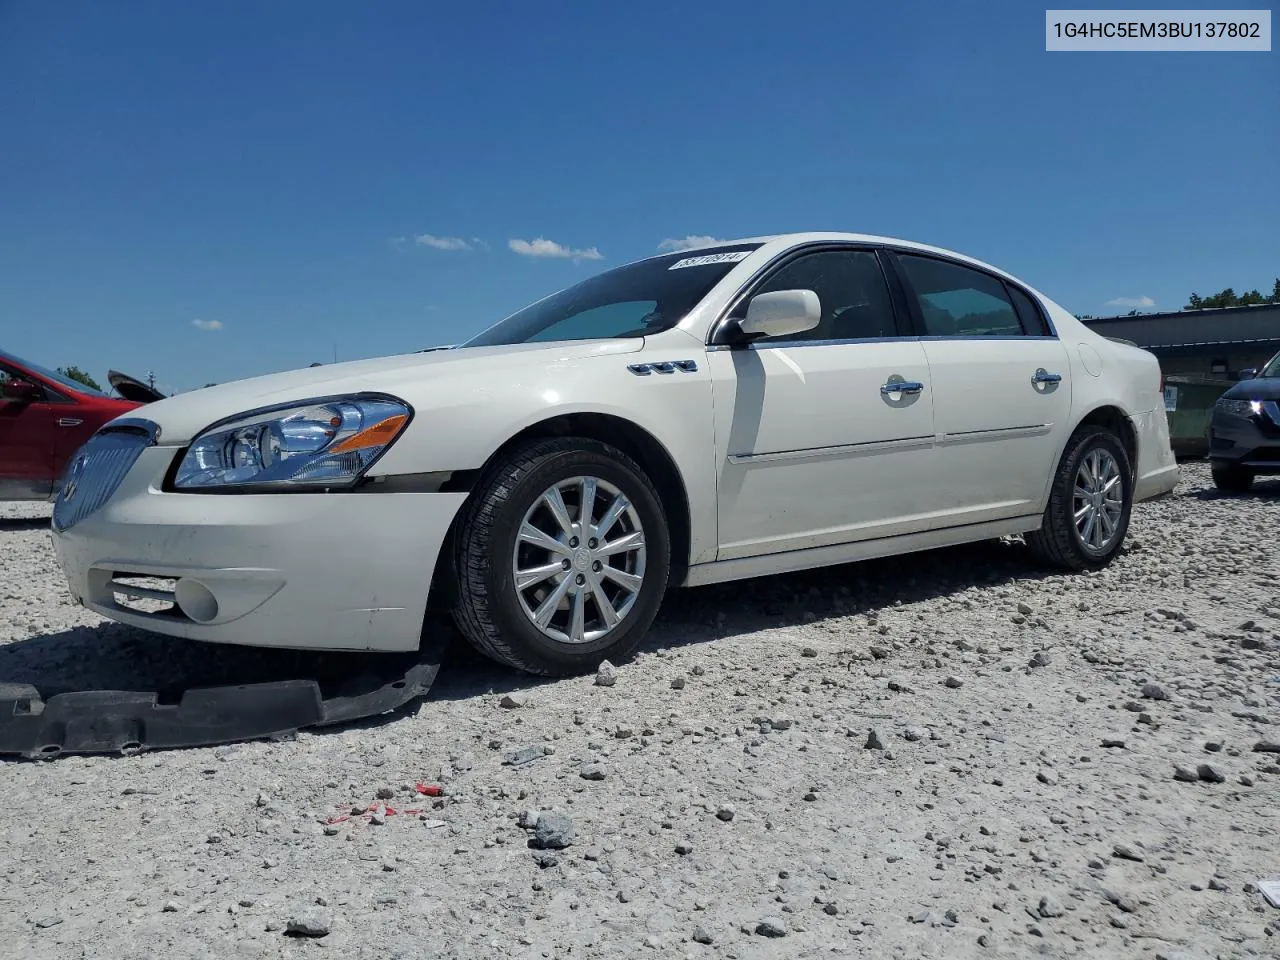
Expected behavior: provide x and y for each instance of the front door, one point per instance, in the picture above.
(26, 446)
(1002, 388)
(827, 436)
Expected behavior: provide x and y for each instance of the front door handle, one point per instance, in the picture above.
(901, 386)
(69, 422)
(1044, 376)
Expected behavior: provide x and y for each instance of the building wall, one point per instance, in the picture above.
(1201, 342)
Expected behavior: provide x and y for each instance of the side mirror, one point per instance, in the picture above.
(21, 391)
(1248, 373)
(781, 313)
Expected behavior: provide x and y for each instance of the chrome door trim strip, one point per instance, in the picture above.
(844, 450)
(1000, 433)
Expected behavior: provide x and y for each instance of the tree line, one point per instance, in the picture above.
(1229, 298)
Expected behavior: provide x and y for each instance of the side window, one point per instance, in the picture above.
(1032, 316)
(851, 288)
(956, 301)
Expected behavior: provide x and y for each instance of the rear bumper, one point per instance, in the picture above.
(339, 571)
(1244, 442)
(1156, 473)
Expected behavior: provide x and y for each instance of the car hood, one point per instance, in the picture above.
(408, 376)
(1263, 388)
(132, 389)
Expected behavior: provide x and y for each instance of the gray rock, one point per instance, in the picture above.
(1185, 774)
(385, 793)
(513, 701)
(606, 674)
(545, 859)
(697, 670)
(1209, 773)
(1266, 746)
(684, 848)
(1153, 691)
(44, 923)
(311, 922)
(1048, 776)
(771, 927)
(170, 906)
(1041, 659)
(873, 741)
(523, 755)
(1113, 743)
(726, 812)
(529, 818)
(915, 734)
(702, 935)
(554, 831)
(594, 771)
(1049, 907)
(808, 652)
(1126, 852)
(781, 722)
(677, 683)
(1024, 609)
(955, 683)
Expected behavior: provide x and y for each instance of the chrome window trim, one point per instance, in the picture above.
(792, 344)
(721, 320)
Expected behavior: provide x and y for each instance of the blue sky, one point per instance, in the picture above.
(267, 169)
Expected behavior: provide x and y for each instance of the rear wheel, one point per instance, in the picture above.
(1232, 479)
(562, 558)
(1089, 505)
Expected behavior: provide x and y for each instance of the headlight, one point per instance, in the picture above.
(320, 443)
(1241, 408)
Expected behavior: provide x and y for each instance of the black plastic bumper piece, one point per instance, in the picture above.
(124, 722)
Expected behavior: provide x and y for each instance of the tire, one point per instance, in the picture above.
(1232, 479)
(494, 616)
(1059, 542)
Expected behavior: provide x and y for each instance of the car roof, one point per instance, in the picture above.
(778, 241)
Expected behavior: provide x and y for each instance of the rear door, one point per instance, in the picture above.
(1001, 384)
(826, 436)
(26, 445)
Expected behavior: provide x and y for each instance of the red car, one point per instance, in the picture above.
(44, 418)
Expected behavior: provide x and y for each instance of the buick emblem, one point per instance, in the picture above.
(73, 479)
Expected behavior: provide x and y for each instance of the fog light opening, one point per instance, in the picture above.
(196, 600)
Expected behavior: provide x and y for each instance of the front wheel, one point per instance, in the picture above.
(1232, 479)
(562, 558)
(1089, 505)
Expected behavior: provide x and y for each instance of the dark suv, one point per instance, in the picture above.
(1244, 436)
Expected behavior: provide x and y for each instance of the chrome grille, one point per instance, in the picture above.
(96, 470)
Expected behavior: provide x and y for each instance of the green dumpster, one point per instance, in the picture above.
(1188, 403)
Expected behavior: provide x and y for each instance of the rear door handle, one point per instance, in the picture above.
(69, 422)
(901, 386)
(1044, 376)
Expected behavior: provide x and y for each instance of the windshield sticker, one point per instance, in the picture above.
(733, 257)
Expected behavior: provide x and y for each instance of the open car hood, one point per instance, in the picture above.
(132, 389)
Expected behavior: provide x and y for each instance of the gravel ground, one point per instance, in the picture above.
(942, 755)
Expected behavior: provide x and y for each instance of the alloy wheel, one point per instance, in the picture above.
(579, 560)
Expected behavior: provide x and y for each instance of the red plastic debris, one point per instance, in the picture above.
(426, 789)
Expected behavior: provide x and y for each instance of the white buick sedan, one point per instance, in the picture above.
(735, 411)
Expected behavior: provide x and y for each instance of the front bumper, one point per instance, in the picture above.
(1251, 442)
(335, 571)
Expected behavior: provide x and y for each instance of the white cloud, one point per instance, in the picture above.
(207, 324)
(689, 242)
(442, 243)
(1131, 302)
(542, 247)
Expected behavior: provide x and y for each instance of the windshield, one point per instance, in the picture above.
(51, 375)
(629, 301)
(1272, 369)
